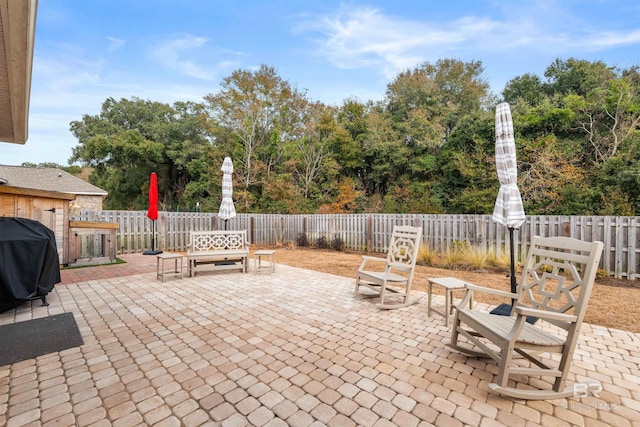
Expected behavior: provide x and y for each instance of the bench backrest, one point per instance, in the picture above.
(218, 240)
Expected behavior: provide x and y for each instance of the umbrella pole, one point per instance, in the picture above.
(153, 250)
(505, 309)
(514, 283)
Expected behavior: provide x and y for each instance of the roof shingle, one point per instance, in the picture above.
(46, 179)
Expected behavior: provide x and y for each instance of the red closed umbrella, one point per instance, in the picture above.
(152, 212)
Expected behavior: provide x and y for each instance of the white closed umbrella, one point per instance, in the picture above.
(508, 209)
(227, 208)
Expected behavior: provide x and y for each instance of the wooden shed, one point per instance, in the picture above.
(50, 196)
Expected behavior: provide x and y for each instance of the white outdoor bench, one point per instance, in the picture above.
(220, 249)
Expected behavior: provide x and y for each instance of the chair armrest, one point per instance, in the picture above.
(372, 258)
(492, 291)
(366, 258)
(400, 266)
(546, 315)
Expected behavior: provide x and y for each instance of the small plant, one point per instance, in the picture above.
(454, 257)
(426, 256)
(546, 268)
(302, 240)
(337, 243)
(287, 244)
(477, 259)
(321, 242)
(503, 261)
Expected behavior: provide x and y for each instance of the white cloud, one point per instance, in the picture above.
(612, 39)
(364, 37)
(171, 54)
(115, 44)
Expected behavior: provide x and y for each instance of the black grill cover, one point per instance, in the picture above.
(29, 264)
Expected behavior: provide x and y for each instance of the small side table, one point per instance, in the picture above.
(161, 258)
(257, 258)
(450, 285)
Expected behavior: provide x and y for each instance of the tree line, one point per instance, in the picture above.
(428, 147)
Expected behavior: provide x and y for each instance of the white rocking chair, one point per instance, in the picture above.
(394, 277)
(555, 287)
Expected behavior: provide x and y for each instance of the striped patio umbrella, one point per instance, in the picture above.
(508, 209)
(227, 208)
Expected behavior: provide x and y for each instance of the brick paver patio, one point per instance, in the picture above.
(289, 348)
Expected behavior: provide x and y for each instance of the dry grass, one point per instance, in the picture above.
(614, 302)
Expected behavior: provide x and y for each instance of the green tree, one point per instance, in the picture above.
(427, 148)
(129, 139)
(528, 88)
(385, 154)
(258, 109)
(468, 178)
(72, 169)
(310, 147)
(608, 116)
(435, 96)
(345, 142)
(426, 106)
(576, 76)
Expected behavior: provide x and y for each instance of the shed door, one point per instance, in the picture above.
(50, 212)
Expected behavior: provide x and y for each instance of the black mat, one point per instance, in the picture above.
(33, 338)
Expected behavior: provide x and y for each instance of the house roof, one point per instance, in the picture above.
(46, 179)
(17, 36)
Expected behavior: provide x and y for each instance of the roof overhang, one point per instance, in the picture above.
(4, 189)
(17, 36)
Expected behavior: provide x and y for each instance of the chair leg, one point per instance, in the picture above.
(506, 358)
(383, 289)
(454, 331)
(564, 366)
(407, 293)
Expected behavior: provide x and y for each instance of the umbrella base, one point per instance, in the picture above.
(505, 310)
(151, 252)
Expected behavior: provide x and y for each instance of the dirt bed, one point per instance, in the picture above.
(614, 302)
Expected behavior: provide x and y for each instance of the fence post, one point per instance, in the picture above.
(252, 229)
(369, 234)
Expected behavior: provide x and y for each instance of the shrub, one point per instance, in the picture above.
(302, 240)
(321, 242)
(337, 243)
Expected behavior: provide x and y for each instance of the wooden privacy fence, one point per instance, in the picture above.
(371, 232)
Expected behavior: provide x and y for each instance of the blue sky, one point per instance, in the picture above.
(179, 50)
